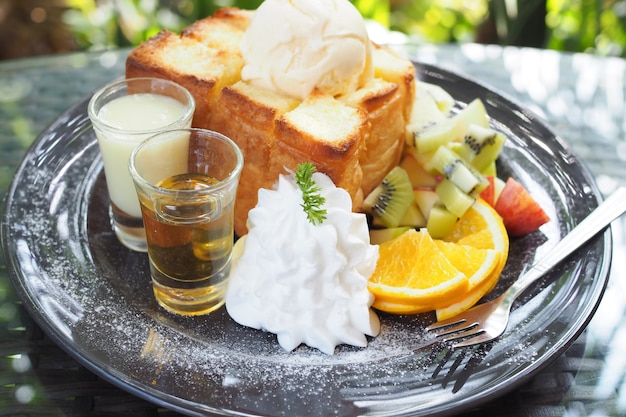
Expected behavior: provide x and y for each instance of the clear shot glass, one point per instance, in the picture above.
(123, 114)
(186, 181)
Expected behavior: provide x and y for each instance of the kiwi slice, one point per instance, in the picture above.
(378, 236)
(457, 170)
(433, 136)
(453, 198)
(481, 146)
(441, 221)
(474, 113)
(390, 200)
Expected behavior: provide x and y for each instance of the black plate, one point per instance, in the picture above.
(93, 296)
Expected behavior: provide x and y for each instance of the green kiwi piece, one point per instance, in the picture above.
(378, 236)
(390, 200)
(430, 137)
(481, 146)
(474, 113)
(456, 169)
(453, 197)
(441, 221)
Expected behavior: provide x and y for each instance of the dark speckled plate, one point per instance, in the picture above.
(93, 296)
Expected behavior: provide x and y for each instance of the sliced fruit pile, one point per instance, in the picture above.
(449, 160)
(443, 217)
(416, 273)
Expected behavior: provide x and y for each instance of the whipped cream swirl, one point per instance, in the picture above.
(306, 283)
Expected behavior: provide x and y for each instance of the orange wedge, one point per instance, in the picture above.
(412, 270)
(397, 307)
(475, 263)
(416, 274)
(470, 299)
(481, 227)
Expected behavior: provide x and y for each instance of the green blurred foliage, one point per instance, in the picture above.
(439, 20)
(101, 24)
(587, 26)
(596, 26)
(378, 10)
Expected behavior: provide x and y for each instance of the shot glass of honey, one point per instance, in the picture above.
(186, 181)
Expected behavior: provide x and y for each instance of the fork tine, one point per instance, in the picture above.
(481, 337)
(454, 321)
(461, 327)
(463, 333)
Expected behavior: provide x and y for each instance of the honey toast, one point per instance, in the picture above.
(355, 138)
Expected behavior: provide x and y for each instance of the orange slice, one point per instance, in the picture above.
(412, 270)
(477, 264)
(416, 274)
(396, 307)
(470, 299)
(481, 227)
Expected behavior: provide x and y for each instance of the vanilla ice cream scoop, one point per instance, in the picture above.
(297, 46)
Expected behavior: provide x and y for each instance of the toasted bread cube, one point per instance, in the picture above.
(392, 67)
(385, 133)
(325, 131)
(247, 114)
(202, 70)
(222, 31)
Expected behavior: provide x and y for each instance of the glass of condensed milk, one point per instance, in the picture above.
(123, 114)
(187, 180)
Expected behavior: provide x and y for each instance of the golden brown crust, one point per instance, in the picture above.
(355, 139)
(384, 106)
(222, 31)
(323, 128)
(166, 55)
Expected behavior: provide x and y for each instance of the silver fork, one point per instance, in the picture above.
(489, 320)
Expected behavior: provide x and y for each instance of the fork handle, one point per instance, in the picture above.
(612, 208)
